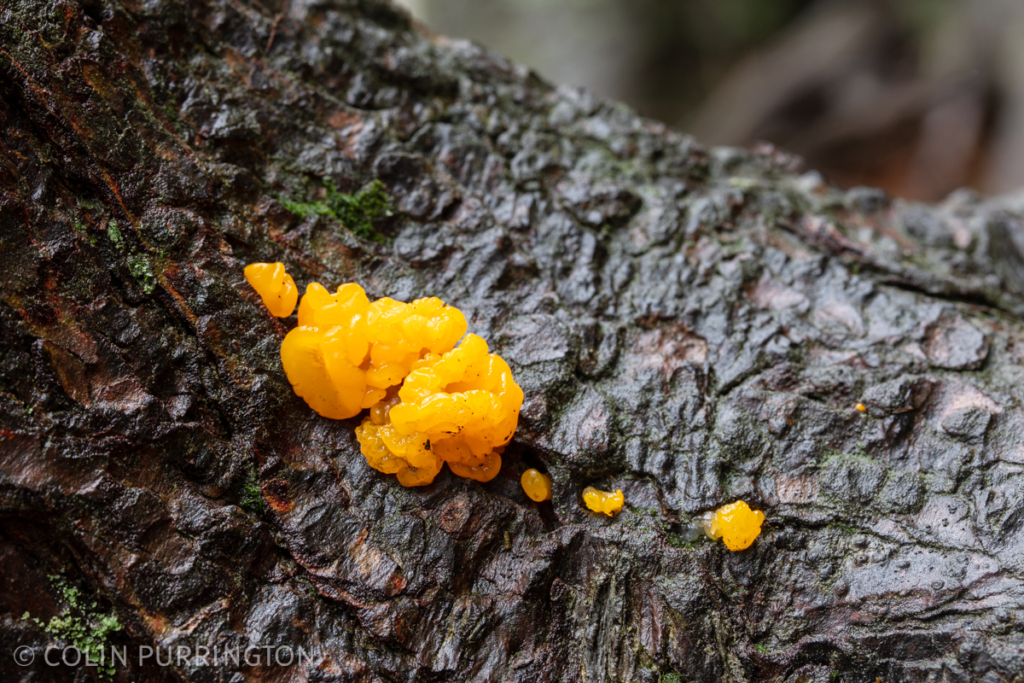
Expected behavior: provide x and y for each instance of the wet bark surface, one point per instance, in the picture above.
(690, 325)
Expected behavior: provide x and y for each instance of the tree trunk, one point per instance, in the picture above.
(692, 326)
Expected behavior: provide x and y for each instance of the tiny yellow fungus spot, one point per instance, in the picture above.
(602, 501)
(735, 523)
(861, 407)
(536, 485)
(275, 287)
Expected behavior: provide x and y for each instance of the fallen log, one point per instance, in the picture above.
(690, 325)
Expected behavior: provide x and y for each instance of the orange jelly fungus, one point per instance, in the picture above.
(602, 501)
(536, 485)
(430, 402)
(275, 287)
(461, 407)
(861, 407)
(735, 523)
(347, 352)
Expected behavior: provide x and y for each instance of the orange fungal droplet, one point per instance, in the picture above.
(536, 485)
(735, 523)
(603, 501)
(275, 287)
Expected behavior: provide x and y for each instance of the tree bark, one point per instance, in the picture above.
(692, 326)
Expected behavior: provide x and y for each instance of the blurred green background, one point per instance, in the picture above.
(919, 97)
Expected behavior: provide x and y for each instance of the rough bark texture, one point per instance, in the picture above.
(689, 325)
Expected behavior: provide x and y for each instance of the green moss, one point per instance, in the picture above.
(645, 661)
(845, 528)
(251, 499)
(143, 274)
(310, 588)
(356, 212)
(114, 233)
(671, 678)
(307, 209)
(677, 541)
(81, 626)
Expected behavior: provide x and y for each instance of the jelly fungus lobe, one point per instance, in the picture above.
(736, 524)
(275, 287)
(603, 501)
(536, 485)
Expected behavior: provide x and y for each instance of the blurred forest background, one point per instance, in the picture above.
(919, 97)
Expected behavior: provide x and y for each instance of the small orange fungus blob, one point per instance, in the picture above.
(735, 523)
(603, 501)
(275, 287)
(430, 401)
(861, 407)
(536, 485)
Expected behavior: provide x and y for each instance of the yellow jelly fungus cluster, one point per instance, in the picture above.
(275, 287)
(536, 485)
(602, 501)
(861, 407)
(735, 523)
(430, 402)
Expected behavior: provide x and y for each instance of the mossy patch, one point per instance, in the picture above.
(114, 233)
(143, 274)
(847, 529)
(82, 626)
(677, 541)
(251, 498)
(356, 212)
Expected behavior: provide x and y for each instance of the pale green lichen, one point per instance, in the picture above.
(114, 233)
(143, 274)
(81, 626)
